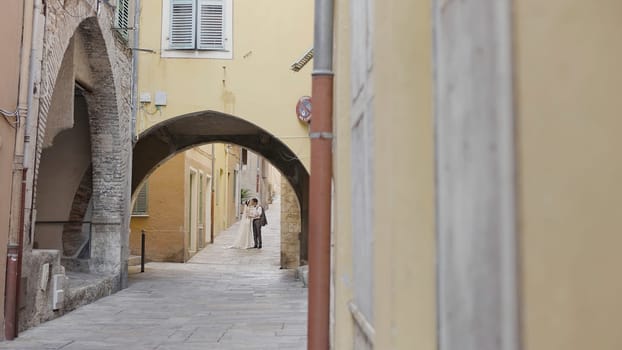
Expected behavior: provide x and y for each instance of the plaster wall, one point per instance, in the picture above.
(60, 114)
(11, 21)
(383, 84)
(567, 56)
(220, 188)
(232, 190)
(403, 132)
(256, 84)
(199, 161)
(165, 225)
(248, 178)
(342, 327)
(62, 167)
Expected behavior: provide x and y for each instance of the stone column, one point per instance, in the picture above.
(290, 227)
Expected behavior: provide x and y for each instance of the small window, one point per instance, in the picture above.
(197, 29)
(140, 206)
(122, 21)
(244, 156)
(197, 25)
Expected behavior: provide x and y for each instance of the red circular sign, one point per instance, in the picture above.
(303, 109)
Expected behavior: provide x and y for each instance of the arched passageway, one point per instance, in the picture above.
(77, 188)
(172, 136)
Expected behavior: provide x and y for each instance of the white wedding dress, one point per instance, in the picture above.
(244, 239)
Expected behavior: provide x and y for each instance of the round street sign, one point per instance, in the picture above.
(303, 109)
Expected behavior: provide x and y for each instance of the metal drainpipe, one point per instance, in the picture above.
(133, 140)
(211, 221)
(16, 244)
(321, 174)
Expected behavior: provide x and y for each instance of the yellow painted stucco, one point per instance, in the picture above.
(404, 221)
(256, 85)
(342, 331)
(168, 222)
(404, 216)
(567, 56)
(164, 225)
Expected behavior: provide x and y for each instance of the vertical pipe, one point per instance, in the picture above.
(211, 221)
(10, 304)
(16, 232)
(320, 180)
(20, 251)
(142, 250)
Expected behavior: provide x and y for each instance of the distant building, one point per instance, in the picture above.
(175, 205)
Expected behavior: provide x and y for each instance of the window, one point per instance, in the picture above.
(196, 28)
(140, 206)
(122, 18)
(244, 156)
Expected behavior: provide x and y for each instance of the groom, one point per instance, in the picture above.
(255, 215)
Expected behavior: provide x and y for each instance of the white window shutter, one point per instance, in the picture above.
(123, 17)
(182, 24)
(141, 204)
(211, 29)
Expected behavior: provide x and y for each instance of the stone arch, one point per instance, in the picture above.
(108, 62)
(81, 53)
(174, 135)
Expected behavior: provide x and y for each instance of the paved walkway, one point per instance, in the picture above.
(222, 299)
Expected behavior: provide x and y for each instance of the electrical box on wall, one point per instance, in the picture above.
(58, 294)
(160, 98)
(145, 97)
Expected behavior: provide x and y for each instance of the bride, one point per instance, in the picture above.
(244, 239)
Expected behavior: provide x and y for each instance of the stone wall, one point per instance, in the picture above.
(109, 108)
(290, 227)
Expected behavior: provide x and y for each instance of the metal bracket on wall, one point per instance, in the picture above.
(321, 135)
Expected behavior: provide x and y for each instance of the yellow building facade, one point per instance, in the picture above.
(196, 56)
(248, 76)
(494, 191)
(175, 206)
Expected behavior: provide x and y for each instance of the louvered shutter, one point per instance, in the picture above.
(211, 29)
(123, 17)
(140, 206)
(182, 24)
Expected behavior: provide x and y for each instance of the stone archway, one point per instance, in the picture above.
(86, 68)
(163, 140)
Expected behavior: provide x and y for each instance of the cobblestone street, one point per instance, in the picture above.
(222, 299)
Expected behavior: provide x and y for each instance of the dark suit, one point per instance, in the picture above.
(257, 232)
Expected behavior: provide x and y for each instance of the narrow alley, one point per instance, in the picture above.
(221, 299)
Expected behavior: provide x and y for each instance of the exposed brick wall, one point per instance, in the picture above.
(109, 110)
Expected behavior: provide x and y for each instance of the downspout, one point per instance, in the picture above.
(211, 221)
(321, 175)
(133, 138)
(31, 52)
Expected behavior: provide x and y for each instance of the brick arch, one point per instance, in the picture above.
(109, 116)
(174, 135)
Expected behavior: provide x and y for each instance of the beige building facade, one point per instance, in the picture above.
(233, 81)
(495, 229)
(65, 155)
(16, 41)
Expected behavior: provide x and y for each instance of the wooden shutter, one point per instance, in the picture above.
(140, 206)
(123, 17)
(211, 30)
(182, 24)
